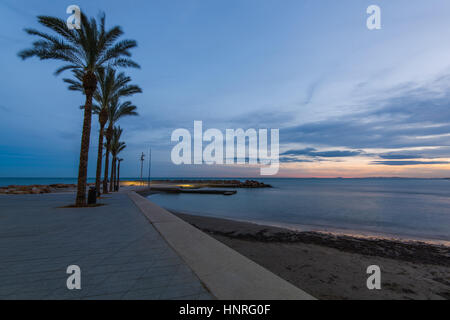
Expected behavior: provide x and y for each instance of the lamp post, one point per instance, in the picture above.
(149, 169)
(142, 167)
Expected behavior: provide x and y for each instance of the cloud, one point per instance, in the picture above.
(312, 90)
(325, 154)
(408, 163)
(260, 119)
(336, 154)
(396, 156)
(294, 160)
(411, 121)
(409, 115)
(300, 152)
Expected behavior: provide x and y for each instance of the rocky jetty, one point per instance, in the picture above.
(239, 184)
(201, 186)
(34, 189)
(37, 189)
(254, 184)
(218, 183)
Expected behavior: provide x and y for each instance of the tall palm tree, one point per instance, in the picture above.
(111, 85)
(116, 147)
(116, 111)
(86, 49)
(118, 174)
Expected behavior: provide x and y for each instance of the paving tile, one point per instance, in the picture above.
(205, 296)
(138, 266)
(120, 254)
(107, 288)
(152, 282)
(113, 296)
(147, 294)
(189, 297)
(179, 291)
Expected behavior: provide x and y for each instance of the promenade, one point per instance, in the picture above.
(120, 253)
(127, 249)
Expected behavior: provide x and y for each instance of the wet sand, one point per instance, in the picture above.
(331, 266)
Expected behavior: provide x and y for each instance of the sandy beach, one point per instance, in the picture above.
(332, 266)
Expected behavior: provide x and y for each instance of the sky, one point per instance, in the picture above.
(348, 101)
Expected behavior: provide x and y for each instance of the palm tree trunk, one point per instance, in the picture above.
(111, 182)
(115, 175)
(99, 161)
(105, 175)
(118, 177)
(102, 119)
(89, 84)
(108, 145)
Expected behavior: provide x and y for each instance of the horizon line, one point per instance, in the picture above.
(219, 177)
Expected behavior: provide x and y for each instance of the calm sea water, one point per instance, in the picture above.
(418, 208)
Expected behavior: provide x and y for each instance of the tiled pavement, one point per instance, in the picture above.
(120, 254)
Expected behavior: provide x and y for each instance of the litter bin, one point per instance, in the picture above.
(92, 195)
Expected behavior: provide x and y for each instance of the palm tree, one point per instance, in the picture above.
(86, 49)
(116, 147)
(118, 174)
(111, 85)
(116, 111)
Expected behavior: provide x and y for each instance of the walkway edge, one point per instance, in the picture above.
(227, 274)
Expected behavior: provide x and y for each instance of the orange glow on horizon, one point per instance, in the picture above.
(361, 168)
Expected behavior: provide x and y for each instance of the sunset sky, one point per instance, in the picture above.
(349, 102)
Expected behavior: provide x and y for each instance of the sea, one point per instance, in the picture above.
(395, 207)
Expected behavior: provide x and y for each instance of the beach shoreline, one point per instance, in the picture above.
(351, 233)
(333, 266)
(325, 229)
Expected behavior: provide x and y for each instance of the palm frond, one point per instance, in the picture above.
(89, 48)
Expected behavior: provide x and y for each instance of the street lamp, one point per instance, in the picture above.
(142, 167)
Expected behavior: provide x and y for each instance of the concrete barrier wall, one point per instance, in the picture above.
(227, 274)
